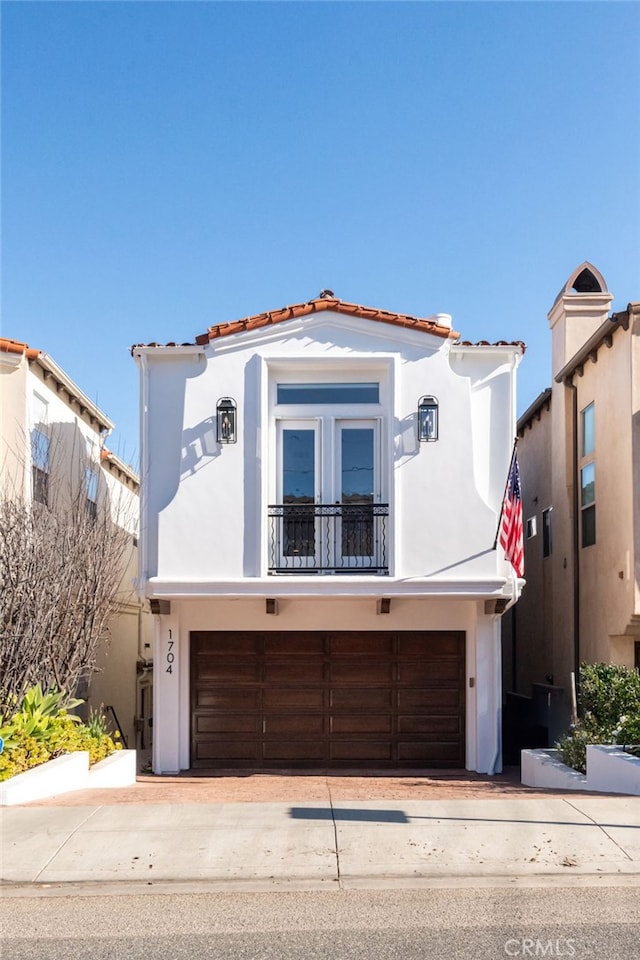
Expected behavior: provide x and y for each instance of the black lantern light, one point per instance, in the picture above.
(427, 419)
(226, 419)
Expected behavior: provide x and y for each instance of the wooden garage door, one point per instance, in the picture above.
(327, 699)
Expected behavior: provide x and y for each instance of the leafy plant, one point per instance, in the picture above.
(37, 712)
(97, 723)
(610, 702)
(629, 730)
(608, 692)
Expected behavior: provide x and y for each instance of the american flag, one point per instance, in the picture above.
(511, 536)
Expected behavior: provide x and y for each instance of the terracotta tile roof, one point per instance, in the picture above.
(327, 301)
(16, 346)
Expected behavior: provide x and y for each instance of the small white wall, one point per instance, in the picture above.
(486, 724)
(611, 770)
(170, 663)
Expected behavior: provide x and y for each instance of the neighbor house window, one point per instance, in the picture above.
(588, 476)
(532, 528)
(91, 484)
(547, 543)
(40, 466)
(588, 504)
(588, 431)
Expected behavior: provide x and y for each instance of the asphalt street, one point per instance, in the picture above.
(598, 919)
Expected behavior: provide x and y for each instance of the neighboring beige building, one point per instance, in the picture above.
(579, 454)
(52, 437)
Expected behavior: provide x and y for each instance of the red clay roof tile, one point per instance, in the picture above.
(319, 304)
(16, 346)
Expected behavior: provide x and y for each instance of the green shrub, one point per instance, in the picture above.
(609, 692)
(610, 702)
(572, 747)
(629, 730)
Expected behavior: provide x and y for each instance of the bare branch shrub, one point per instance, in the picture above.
(61, 571)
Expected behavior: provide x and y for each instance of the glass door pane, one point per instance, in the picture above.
(357, 491)
(298, 491)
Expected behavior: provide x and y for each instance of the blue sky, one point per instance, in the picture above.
(167, 166)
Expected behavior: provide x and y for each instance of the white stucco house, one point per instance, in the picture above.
(321, 487)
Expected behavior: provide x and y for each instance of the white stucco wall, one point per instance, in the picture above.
(206, 504)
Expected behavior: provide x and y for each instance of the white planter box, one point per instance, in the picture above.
(56, 776)
(611, 770)
(68, 773)
(118, 770)
(543, 768)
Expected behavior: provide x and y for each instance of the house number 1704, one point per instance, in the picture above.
(170, 656)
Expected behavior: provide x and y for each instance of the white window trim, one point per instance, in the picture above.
(338, 369)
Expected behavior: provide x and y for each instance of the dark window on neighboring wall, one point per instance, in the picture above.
(588, 476)
(91, 484)
(636, 654)
(547, 542)
(587, 504)
(40, 466)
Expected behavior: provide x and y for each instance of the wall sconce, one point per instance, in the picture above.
(226, 420)
(427, 419)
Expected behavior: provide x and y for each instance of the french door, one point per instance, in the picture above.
(327, 485)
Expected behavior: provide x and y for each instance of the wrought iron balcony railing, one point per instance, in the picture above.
(328, 538)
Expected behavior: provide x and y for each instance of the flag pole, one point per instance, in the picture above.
(506, 487)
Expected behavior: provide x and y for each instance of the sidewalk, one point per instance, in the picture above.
(409, 829)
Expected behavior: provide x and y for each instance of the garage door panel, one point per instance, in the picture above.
(367, 645)
(425, 671)
(225, 750)
(429, 725)
(426, 698)
(301, 751)
(209, 668)
(430, 754)
(358, 750)
(361, 724)
(361, 671)
(276, 697)
(293, 644)
(229, 644)
(361, 698)
(232, 723)
(293, 724)
(229, 698)
(316, 698)
(295, 671)
(432, 645)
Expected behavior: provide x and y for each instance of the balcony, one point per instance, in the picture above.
(341, 538)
